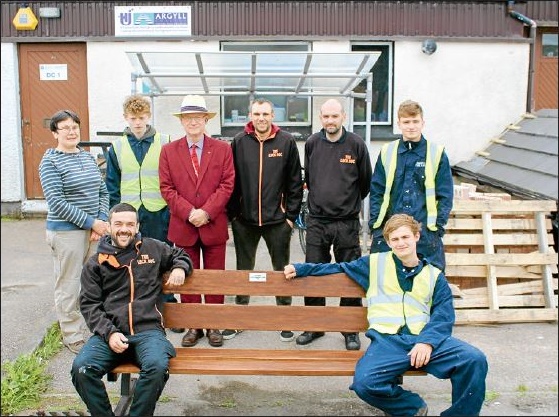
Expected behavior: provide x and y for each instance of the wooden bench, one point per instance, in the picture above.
(262, 314)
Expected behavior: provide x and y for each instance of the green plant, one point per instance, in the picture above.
(165, 399)
(522, 389)
(228, 403)
(491, 396)
(25, 379)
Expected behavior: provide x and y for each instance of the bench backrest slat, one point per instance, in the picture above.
(265, 317)
(233, 282)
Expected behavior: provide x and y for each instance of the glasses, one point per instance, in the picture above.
(68, 129)
(196, 119)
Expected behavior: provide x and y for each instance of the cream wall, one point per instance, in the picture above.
(12, 152)
(110, 83)
(470, 92)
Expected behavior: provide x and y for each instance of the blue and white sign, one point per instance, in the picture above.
(156, 21)
(53, 72)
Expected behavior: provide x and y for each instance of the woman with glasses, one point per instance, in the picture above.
(78, 209)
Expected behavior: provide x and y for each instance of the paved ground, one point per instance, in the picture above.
(522, 378)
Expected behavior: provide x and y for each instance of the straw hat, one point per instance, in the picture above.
(194, 104)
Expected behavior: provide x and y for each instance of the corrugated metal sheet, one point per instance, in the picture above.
(300, 19)
(525, 164)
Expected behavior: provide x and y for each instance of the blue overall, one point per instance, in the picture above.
(375, 380)
(386, 358)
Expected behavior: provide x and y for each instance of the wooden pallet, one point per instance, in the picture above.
(500, 255)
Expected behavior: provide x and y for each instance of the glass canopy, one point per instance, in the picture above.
(245, 73)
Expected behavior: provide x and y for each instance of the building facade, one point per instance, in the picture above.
(475, 66)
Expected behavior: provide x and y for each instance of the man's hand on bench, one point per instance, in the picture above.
(176, 277)
(289, 272)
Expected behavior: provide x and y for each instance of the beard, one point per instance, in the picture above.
(332, 130)
(122, 240)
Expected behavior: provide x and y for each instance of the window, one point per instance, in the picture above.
(549, 45)
(381, 105)
(289, 110)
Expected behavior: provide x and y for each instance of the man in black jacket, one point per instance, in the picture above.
(267, 196)
(121, 304)
(338, 175)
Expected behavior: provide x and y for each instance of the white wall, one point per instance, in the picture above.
(12, 149)
(469, 91)
(109, 79)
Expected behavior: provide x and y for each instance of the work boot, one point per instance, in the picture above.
(352, 341)
(307, 337)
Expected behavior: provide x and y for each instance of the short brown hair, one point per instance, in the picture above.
(399, 220)
(136, 105)
(410, 108)
(260, 101)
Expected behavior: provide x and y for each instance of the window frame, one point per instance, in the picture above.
(378, 46)
(257, 46)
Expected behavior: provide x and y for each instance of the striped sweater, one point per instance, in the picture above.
(74, 189)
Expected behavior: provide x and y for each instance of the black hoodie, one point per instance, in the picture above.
(120, 288)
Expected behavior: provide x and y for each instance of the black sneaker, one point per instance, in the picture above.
(177, 329)
(352, 341)
(230, 334)
(286, 336)
(307, 337)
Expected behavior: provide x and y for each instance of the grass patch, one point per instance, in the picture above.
(228, 403)
(165, 399)
(9, 218)
(25, 379)
(491, 396)
(522, 389)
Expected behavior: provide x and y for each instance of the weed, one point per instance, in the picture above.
(491, 396)
(522, 389)
(165, 399)
(228, 403)
(25, 379)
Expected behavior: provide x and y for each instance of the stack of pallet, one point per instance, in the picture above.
(501, 261)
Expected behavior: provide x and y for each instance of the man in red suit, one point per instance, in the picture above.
(197, 176)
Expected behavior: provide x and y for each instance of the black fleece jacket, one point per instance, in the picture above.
(120, 288)
(268, 178)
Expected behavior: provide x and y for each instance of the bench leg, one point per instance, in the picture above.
(127, 386)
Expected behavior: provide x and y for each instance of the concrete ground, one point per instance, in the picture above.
(522, 379)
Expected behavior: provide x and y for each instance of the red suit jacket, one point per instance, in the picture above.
(183, 191)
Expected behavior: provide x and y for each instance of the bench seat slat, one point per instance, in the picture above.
(261, 362)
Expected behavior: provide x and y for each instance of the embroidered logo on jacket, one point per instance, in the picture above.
(275, 154)
(145, 259)
(347, 159)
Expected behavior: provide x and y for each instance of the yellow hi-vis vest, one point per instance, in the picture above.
(390, 308)
(139, 184)
(389, 157)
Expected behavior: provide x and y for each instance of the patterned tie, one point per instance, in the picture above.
(194, 158)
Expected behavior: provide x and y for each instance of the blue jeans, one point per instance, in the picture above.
(150, 350)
